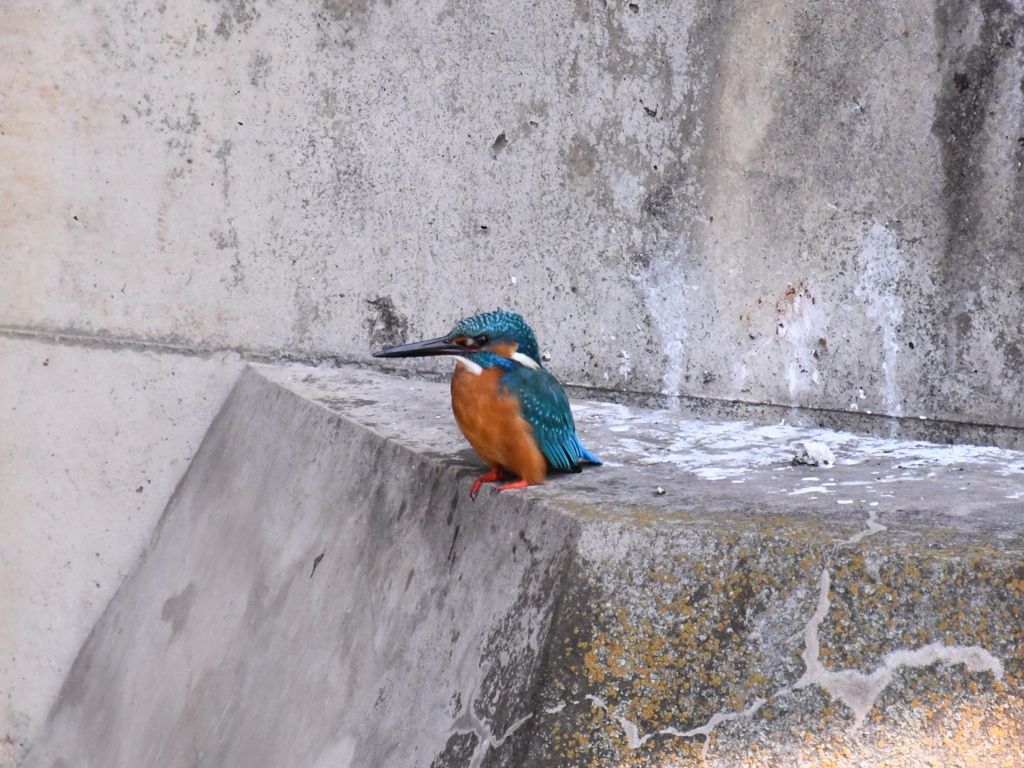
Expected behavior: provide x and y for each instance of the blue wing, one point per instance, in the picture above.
(545, 406)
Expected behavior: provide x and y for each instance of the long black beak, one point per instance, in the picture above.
(423, 349)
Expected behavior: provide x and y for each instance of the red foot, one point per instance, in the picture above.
(490, 477)
(510, 486)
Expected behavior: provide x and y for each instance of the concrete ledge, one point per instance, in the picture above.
(322, 592)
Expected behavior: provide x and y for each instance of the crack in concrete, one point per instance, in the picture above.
(469, 722)
(873, 526)
(634, 740)
(856, 690)
(719, 717)
(859, 691)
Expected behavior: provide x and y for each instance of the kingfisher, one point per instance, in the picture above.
(512, 411)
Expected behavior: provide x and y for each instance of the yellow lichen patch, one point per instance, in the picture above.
(672, 646)
(704, 632)
(981, 731)
(887, 598)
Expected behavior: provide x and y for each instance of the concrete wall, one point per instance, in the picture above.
(747, 206)
(777, 202)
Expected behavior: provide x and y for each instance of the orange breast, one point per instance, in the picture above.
(492, 423)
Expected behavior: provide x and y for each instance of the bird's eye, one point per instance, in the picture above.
(481, 340)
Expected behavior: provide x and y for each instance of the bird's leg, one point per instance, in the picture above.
(490, 477)
(510, 486)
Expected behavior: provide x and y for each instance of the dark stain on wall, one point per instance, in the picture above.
(385, 325)
(676, 191)
(177, 608)
(974, 43)
(236, 14)
(345, 10)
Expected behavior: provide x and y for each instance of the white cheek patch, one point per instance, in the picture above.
(525, 360)
(469, 365)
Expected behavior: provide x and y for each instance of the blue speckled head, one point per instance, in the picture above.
(499, 327)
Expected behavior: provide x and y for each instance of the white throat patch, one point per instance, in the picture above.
(469, 365)
(525, 360)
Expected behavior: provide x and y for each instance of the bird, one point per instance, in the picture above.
(509, 407)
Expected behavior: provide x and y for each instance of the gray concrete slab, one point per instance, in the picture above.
(732, 465)
(321, 591)
(93, 441)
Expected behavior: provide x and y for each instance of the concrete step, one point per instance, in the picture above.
(321, 591)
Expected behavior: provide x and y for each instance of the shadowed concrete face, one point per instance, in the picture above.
(321, 591)
(309, 592)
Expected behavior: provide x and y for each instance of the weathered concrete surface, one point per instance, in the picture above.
(765, 203)
(762, 210)
(92, 443)
(321, 591)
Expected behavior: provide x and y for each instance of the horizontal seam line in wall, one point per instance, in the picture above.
(609, 394)
(79, 338)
